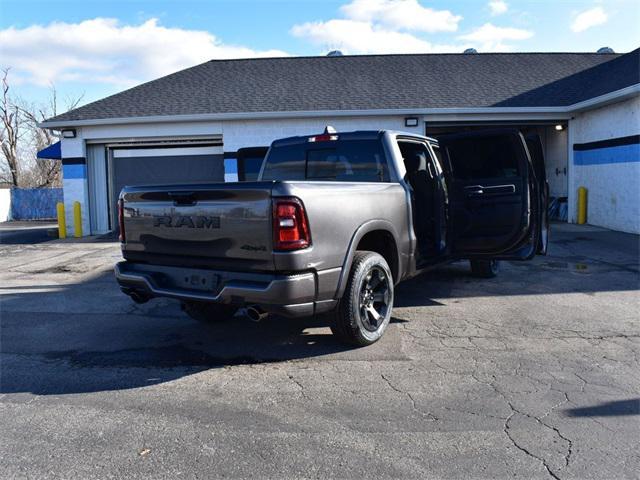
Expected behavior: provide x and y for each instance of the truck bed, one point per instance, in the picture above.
(228, 226)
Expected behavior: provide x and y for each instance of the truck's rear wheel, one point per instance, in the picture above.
(208, 312)
(485, 268)
(365, 308)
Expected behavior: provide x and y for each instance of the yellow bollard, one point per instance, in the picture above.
(62, 222)
(582, 206)
(77, 220)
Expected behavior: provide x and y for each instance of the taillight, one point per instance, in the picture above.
(290, 224)
(121, 236)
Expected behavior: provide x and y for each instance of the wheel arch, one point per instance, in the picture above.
(378, 236)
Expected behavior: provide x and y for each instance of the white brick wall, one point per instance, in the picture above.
(236, 133)
(75, 189)
(138, 131)
(613, 195)
(613, 188)
(611, 121)
(5, 204)
(73, 147)
(248, 133)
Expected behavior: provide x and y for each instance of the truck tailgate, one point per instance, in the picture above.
(214, 225)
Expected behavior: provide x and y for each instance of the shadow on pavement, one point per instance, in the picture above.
(608, 409)
(88, 336)
(18, 235)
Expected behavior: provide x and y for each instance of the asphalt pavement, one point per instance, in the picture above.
(533, 374)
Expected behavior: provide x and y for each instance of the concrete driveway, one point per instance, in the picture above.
(534, 374)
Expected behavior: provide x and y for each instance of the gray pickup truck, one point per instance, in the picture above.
(333, 223)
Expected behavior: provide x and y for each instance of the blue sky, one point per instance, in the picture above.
(99, 48)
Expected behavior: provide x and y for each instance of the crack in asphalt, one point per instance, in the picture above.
(430, 416)
(525, 450)
(299, 384)
(441, 337)
(514, 411)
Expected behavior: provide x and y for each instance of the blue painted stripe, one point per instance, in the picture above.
(230, 165)
(74, 171)
(600, 156)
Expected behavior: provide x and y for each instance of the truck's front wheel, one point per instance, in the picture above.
(365, 308)
(208, 312)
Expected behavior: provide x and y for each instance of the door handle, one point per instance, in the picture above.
(500, 189)
(182, 198)
(474, 190)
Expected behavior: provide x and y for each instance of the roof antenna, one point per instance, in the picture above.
(334, 53)
(329, 130)
(605, 50)
(470, 50)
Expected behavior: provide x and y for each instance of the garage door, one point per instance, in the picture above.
(166, 165)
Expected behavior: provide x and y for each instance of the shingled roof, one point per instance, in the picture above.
(371, 82)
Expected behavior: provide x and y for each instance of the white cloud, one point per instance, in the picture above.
(103, 50)
(358, 37)
(589, 18)
(489, 38)
(401, 15)
(498, 7)
(380, 26)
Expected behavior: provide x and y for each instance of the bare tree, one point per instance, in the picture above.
(45, 173)
(22, 138)
(10, 134)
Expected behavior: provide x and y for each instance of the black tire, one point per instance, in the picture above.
(369, 289)
(208, 312)
(485, 268)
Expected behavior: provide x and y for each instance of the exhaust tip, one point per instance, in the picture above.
(256, 314)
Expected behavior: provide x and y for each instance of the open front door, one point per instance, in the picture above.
(494, 198)
(534, 144)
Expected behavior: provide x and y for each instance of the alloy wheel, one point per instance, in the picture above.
(374, 299)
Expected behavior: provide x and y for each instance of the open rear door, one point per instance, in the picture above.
(494, 197)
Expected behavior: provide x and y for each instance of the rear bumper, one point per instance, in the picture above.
(288, 295)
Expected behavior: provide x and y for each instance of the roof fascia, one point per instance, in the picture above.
(607, 98)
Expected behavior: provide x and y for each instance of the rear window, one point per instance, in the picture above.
(341, 160)
(487, 157)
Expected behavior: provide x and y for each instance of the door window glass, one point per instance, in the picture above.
(438, 154)
(250, 162)
(493, 156)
